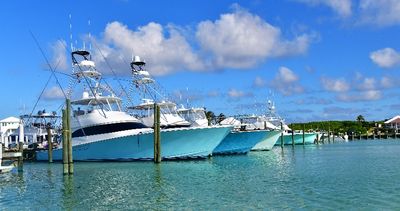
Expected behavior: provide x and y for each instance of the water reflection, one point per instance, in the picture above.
(68, 192)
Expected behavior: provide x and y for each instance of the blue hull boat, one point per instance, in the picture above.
(179, 143)
(241, 142)
(268, 142)
(309, 138)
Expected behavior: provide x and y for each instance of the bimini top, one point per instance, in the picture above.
(96, 100)
(88, 73)
(148, 104)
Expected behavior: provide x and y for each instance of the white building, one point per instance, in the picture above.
(8, 126)
(393, 123)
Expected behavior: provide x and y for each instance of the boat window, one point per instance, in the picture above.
(108, 128)
(201, 114)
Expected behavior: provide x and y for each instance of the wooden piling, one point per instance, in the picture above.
(157, 143)
(281, 135)
(65, 141)
(49, 145)
(21, 147)
(317, 140)
(21, 158)
(69, 136)
(329, 136)
(1, 153)
(292, 137)
(304, 141)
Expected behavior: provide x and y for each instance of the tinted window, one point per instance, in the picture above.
(109, 128)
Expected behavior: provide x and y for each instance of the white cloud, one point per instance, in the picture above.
(164, 54)
(286, 75)
(259, 82)
(367, 84)
(53, 93)
(387, 82)
(385, 58)
(235, 93)
(341, 7)
(213, 93)
(336, 85)
(286, 82)
(241, 40)
(380, 12)
(59, 56)
(370, 95)
(236, 40)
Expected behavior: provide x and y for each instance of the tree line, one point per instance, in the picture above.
(341, 127)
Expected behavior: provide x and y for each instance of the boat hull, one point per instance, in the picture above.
(268, 142)
(240, 142)
(182, 143)
(298, 138)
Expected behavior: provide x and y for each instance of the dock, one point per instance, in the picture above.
(11, 155)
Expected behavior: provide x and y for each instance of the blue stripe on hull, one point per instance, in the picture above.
(240, 142)
(175, 144)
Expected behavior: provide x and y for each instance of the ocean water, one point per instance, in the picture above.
(362, 175)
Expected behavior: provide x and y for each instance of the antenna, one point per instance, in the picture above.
(187, 97)
(70, 32)
(90, 37)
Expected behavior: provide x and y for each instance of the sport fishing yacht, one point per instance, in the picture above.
(102, 131)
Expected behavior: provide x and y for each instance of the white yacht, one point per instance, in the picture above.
(196, 116)
(102, 131)
(35, 130)
(249, 133)
(150, 93)
(169, 117)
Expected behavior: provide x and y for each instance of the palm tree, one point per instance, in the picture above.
(210, 116)
(360, 118)
(221, 117)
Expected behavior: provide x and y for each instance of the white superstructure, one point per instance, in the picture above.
(8, 126)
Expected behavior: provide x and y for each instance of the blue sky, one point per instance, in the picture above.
(317, 59)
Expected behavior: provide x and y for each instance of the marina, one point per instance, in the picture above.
(200, 105)
(343, 175)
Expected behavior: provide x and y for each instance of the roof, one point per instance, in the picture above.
(96, 100)
(10, 119)
(395, 119)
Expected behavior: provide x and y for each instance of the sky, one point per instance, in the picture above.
(315, 59)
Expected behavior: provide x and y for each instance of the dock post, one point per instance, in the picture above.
(49, 144)
(1, 152)
(21, 146)
(281, 135)
(157, 144)
(292, 137)
(317, 140)
(359, 138)
(329, 135)
(65, 141)
(304, 141)
(69, 135)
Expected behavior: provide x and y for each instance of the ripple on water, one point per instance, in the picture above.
(355, 175)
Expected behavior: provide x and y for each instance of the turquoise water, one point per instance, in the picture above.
(356, 175)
